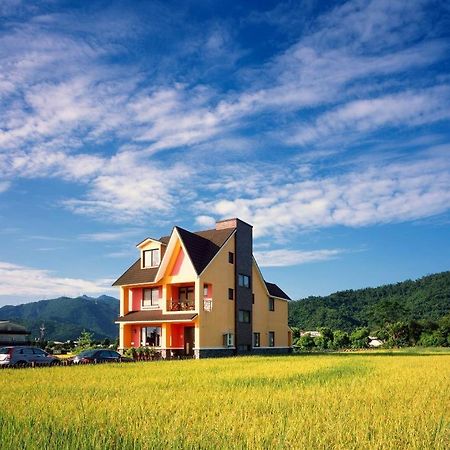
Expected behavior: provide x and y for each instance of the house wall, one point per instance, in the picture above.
(265, 320)
(220, 320)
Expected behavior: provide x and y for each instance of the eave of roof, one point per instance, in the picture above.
(156, 316)
(275, 291)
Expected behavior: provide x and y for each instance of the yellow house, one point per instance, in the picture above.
(202, 294)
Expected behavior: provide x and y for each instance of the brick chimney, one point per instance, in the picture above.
(229, 223)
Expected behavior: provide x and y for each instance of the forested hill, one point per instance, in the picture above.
(65, 318)
(425, 298)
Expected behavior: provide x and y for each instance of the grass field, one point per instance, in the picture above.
(349, 401)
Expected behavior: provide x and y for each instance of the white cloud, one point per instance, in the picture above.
(285, 257)
(393, 192)
(107, 236)
(205, 221)
(362, 116)
(42, 284)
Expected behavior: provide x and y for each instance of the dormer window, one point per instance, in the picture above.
(150, 258)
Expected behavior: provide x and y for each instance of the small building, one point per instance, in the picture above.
(202, 294)
(13, 334)
(311, 333)
(374, 342)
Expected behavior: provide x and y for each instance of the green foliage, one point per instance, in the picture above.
(427, 298)
(359, 338)
(85, 341)
(340, 339)
(306, 342)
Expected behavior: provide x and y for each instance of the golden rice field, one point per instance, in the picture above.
(336, 401)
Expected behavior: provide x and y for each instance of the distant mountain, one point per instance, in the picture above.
(425, 298)
(65, 318)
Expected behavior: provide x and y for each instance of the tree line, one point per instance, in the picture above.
(427, 333)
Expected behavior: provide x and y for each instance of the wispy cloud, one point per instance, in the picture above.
(107, 236)
(382, 193)
(41, 284)
(287, 257)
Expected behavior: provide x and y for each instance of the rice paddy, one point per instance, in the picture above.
(335, 401)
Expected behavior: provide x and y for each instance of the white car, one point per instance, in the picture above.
(26, 356)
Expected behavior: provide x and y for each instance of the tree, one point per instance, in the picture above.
(306, 342)
(85, 340)
(326, 337)
(398, 333)
(360, 338)
(340, 339)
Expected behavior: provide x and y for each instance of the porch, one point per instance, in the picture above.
(173, 337)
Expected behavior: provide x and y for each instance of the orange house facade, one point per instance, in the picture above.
(202, 295)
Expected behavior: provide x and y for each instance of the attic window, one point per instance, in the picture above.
(150, 258)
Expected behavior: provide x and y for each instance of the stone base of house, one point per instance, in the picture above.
(227, 352)
(272, 351)
(214, 352)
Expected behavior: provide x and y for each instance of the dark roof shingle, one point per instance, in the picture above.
(275, 291)
(201, 246)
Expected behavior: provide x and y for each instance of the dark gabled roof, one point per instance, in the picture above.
(201, 250)
(201, 247)
(155, 316)
(136, 275)
(275, 291)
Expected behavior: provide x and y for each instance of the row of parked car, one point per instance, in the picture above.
(34, 356)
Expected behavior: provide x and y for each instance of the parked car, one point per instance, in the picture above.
(26, 356)
(99, 356)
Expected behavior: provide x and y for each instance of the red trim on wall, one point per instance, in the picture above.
(178, 263)
(136, 299)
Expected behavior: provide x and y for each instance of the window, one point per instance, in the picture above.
(256, 339)
(230, 294)
(244, 280)
(207, 290)
(186, 293)
(151, 336)
(231, 257)
(244, 316)
(253, 299)
(228, 340)
(271, 304)
(151, 258)
(271, 338)
(150, 298)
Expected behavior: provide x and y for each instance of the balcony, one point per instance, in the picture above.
(180, 305)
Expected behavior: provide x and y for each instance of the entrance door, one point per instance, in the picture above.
(189, 339)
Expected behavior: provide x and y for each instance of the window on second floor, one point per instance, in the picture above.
(244, 316)
(244, 280)
(271, 304)
(231, 257)
(150, 298)
(230, 294)
(150, 258)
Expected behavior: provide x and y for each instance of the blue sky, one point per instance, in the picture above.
(325, 125)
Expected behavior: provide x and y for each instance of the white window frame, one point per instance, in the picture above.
(153, 304)
(228, 340)
(154, 261)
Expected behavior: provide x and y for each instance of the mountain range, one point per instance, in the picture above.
(65, 318)
(427, 298)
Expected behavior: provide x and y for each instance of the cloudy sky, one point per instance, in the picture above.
(326, 126)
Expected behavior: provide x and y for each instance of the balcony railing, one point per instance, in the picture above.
(180, 305)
